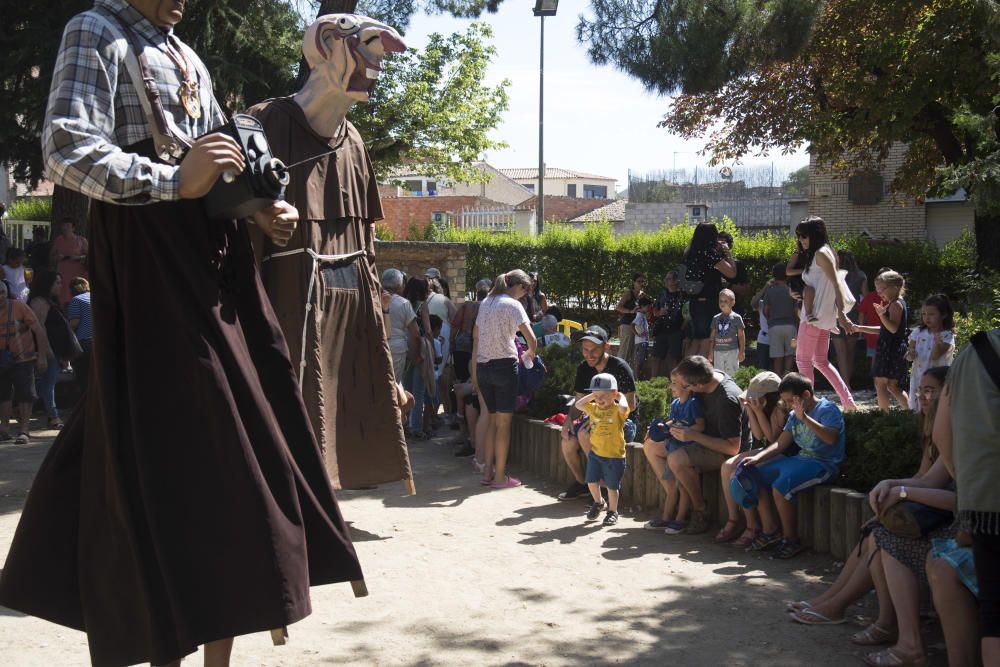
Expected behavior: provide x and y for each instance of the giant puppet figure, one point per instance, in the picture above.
(323, 284)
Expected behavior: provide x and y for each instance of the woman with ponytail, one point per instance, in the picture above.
(501, 316)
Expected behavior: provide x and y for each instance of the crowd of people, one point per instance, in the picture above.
(45, 319)
(769, 442)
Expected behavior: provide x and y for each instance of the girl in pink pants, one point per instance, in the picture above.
(812, 350)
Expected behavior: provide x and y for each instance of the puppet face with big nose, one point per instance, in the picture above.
(345, 54)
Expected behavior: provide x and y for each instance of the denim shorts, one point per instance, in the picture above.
(791, 474)
(497, 380)
(631, 428)
(610, 471)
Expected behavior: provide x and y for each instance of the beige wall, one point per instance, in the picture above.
(499, 189)
(559, 186)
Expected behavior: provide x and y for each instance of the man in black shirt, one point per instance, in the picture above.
(726, 432)
(575, 434)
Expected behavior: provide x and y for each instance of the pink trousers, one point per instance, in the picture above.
(812, 350)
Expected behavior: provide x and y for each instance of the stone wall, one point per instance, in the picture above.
(414, 257)
(898, 215)
(650, 217)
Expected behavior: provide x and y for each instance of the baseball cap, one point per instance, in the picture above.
(744, 484)
(763, 383)
(658, 430)
(595, 334)
(603, 382)
(432, 273)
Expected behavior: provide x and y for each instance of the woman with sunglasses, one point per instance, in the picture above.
(832, 300)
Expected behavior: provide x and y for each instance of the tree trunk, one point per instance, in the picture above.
(325, 7)
(988, 239)
(69, 205)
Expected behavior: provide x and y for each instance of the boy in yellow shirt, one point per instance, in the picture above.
(607, 409)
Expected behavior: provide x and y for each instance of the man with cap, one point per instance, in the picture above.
(575, 432)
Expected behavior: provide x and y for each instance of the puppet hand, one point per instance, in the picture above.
(278, 221)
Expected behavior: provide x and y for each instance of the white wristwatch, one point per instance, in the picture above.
(902, 493)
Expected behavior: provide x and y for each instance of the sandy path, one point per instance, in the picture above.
(459, 575)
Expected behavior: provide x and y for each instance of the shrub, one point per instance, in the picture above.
(31, 208)
(744, 374)
(879, 446)
(384, 233)
(654, 398)
(560, 375)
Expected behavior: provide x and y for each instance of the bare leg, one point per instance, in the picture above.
(688, 477)
(882, 393)
(612, 499)
(501, 443)
(571, 454)
(595, 491)
(726, 473)
(852, 583)
(906, 601)
(489, 437)
(217, 653)
(673, 500)
(656, 455)
(481, 425)
(683, 505)
(956, 608)
(24, 417)
(899, 394)
(788, 515)
(768, 520)
(886, 611)
(841, 345)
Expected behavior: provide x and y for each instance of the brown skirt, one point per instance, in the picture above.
(186, 499)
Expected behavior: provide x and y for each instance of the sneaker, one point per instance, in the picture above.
(595, 510)
(611, 518)
(698, 523)
(788, 549)
(573, 491)
(675, 527)
(765, 541)
(466, 450)
(656, 524)
(22, 439)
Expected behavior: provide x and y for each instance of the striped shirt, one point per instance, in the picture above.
(94, 110)
(79, 309)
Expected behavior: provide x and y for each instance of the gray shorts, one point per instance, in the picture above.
(781, 338)
(727, 361)
(703, 458)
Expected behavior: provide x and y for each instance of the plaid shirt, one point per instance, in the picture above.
(94, 111)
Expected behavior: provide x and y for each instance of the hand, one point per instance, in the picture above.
(742, 355)
(878, 495)
(711, 357)
(278, 221)
(682, 433)
(796, 295)
(208, 158)
(386, 298)
(880, 308)
(891, 498)
(528, 356)
(751, 460)
(799, 408)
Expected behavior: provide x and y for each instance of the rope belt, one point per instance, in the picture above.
(317, 260)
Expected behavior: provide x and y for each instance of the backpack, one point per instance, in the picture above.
(689, 287)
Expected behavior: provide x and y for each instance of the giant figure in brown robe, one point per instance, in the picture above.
(323, 284)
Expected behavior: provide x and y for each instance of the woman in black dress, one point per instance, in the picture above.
(706, 261)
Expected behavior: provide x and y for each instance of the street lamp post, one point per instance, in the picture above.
(542, 9)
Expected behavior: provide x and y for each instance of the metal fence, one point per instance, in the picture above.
(22, 232)
(493, 219)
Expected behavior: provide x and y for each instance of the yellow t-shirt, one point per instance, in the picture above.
(607, 430)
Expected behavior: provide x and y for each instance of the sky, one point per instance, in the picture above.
(597, 120)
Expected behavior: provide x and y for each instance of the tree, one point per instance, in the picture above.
(797, 182)
(849, 77)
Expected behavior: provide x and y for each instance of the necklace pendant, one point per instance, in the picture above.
(190, 100)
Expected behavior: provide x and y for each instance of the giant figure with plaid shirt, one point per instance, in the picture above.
(186, 501)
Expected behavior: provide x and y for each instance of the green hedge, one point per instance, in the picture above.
(31, 208)
(589, 268)
(878, 446)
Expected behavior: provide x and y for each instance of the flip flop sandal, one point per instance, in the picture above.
(486, 482)
(795, 607)
(509, 483)
(890, 658)
(746, 539)
(729, 532)
(813, 617)
(873, 635)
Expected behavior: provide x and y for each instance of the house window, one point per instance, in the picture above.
(865, 188)
(595, 191)
(571, 190)
(432, 187)
(530, 187)
(416, 188)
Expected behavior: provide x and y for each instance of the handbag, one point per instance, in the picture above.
(65, 345)
(913, 520)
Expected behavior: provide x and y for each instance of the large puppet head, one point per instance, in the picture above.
(345, 52)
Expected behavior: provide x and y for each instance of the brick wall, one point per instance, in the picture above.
(414, 258)
(899, 215)
(566, 208)
(400, 212)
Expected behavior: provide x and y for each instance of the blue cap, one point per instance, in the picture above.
(744, 485)
(658, 431)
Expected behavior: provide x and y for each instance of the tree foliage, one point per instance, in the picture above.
(431, 107)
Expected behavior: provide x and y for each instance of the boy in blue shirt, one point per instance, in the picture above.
(685, 410)
(817, 427)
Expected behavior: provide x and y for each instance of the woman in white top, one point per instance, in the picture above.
(501, 316)
(831, 303)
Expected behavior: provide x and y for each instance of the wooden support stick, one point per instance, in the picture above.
(279, 636)
(360, 588)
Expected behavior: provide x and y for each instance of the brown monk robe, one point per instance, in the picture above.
(347, 382)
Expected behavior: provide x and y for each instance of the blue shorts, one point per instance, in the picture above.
(631, 428)
(498, 384)
(789, 475)
(610, 471)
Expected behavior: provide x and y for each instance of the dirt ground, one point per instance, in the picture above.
(459, 575)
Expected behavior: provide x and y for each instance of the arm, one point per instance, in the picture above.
(630, 398)
(828, 434)
(582, 401)
(793, 268)
(727, 446)
(620, 308)
(414, 340)
(711, 345)
(726, 267)
(42, 341)
(41, 308)
(942, 431)
(891, 317)
(543, 302)
(73, 313)
(743, 343)
(529, 337)
(826, 263)
(698, 425)
(756, 298)
(941, 346)
(783, 442)
(623, 405)
(927, 489)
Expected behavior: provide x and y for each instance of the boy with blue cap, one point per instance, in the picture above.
(607, 409)
(817, 427)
